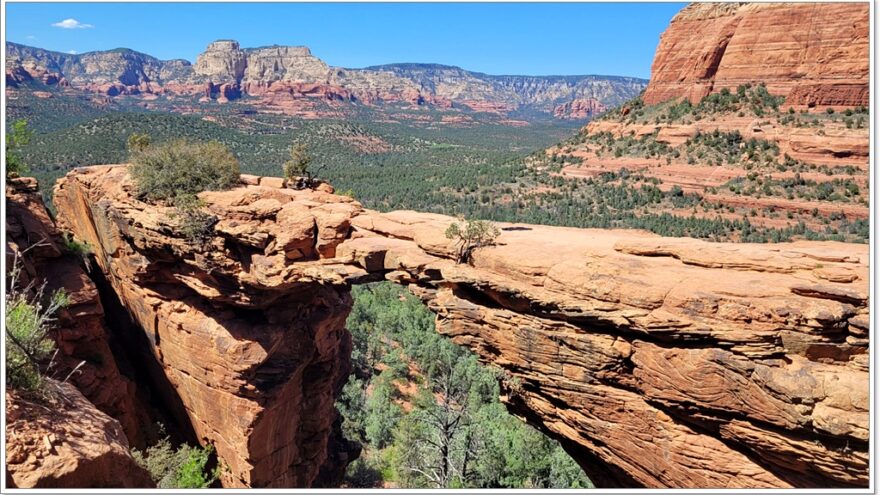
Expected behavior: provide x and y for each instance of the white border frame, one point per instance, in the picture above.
(872, 170)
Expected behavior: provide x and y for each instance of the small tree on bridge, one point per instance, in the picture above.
(470, 235)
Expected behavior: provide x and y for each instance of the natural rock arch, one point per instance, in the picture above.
(655, 361)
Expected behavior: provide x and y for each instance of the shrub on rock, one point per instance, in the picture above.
(470, 235)
(164, 171)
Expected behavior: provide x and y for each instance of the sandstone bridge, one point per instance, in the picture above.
(656, 362)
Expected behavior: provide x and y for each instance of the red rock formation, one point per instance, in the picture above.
(253, 345)
(834, 145)
(17, 73)
(812, 53)
(487, 106)
(67, 443)
(657, 362)
(81, 335)
(579, 108)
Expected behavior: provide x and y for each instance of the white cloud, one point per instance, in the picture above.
(71, 24)
(30, 37)
(72, 52)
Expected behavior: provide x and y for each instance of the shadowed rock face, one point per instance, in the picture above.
(811, 53)
(81, 335)
(255, 356)
(657, 362)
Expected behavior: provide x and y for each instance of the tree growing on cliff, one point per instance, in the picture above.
(183, 467)
(17, 136)
(299, 162)
(175, 172)
(470, 235)
(298, 169)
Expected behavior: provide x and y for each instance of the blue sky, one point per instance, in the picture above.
(534, 39)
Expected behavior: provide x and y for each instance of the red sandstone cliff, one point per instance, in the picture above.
(580, 108)
(245, 335)
(81, 333)
(812, 53)
(657, 362)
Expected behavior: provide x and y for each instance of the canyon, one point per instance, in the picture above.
(655, 361)
(290, 79)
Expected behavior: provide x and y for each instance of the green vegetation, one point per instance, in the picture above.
(173, 169)
(470, 235)
(138, 143)
(183, 467)
(428, 413)
(298, 165)
(407, 152)
(30, 314)
(718, 148)
(835, 190)
(174, 172)
(754, 99)
(646, 146)
(17, 136)
(477, 170)
(196, 224)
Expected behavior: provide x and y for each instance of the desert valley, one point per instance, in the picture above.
(259, 270)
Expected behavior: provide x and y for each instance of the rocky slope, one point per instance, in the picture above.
(282, 75)
(806, 66)
(658, 362)
(811, 53)
(69, 444)
(459, 85)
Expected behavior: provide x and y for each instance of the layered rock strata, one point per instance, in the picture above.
(811, 53)
(284, 76)
(657, 362)
(252, 342)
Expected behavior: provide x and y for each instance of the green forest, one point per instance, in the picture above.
(427, 412)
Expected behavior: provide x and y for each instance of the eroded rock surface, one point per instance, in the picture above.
(290, 79)
(252, 343)
(657, 362)
(67, 443)
(811, 53)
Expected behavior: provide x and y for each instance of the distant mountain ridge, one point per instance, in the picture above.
(281, 75)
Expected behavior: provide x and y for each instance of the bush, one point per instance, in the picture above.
(29, 317)
(176, 171)
(196, 225)
(138, 143)
(297, 170)
(72, 246)
(178, 168)
(18, 136)
(185, 467)
(298, 165)
(470, 235)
